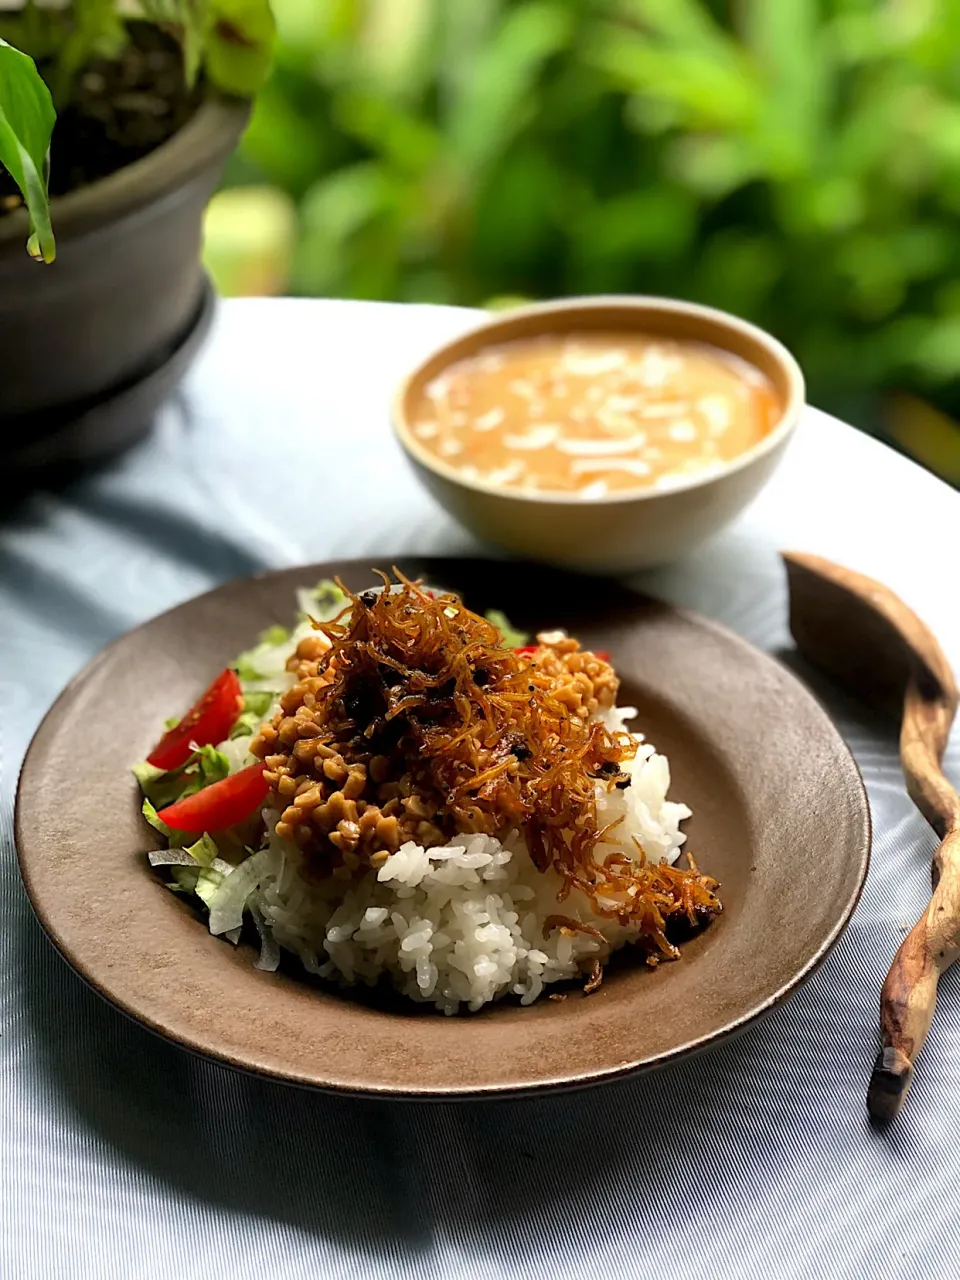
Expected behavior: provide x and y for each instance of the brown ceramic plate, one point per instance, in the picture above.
(780, 818)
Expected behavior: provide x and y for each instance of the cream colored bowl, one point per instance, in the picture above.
(622, 531)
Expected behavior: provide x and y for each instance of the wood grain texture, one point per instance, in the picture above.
(860, 632)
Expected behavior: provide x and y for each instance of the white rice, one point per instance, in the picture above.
(461, 925)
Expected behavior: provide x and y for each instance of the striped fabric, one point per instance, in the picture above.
(122, 1156)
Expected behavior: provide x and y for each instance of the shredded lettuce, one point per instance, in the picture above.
(208, 884)
(247, 723)
(258, 701)
(159, 786)
(274, 635)
(256, 704)
(227, 904)
(269, 950)
(150, 813)
(323, 602)
(330, 600)
(196, 869)
(184, 879)
(195, 858)
(246, 665)
(163, 787)
(211, 766)
(204, 851)
(204, 883)
(512, 638)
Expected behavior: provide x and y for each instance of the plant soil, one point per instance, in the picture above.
(118, 112)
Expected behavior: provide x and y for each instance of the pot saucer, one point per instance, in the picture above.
(55, 442)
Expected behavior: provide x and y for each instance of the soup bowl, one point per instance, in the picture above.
(624, 529)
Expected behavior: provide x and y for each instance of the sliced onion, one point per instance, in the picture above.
(269, 951)
(180, 858)
(227, 904)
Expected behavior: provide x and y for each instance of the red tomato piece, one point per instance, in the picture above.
(526, 648)
(207, 722)
(602, 654)
(222, 804)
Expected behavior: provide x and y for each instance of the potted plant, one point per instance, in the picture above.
(114, 126)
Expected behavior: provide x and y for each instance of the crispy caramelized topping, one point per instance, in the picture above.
(411, 720)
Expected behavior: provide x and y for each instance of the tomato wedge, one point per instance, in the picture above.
(526, 648)
(222, 804)
(207, 722)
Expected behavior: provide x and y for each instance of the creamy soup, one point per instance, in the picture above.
(594, 413)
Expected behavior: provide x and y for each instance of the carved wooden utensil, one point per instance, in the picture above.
(860, 632)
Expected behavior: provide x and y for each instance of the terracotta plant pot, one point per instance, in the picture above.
(125, 293)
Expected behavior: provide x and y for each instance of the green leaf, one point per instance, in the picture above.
(96, 28)
(511, 637)
(399, 136)
(184, 879)
(238, 44)
(208, 882)
(393, 44)
(191, 17)
(246, 725)
(329, 600)
(686, 23)
(26, 122)
(163, 787)
(275, 635)
(202, 881)
(705, 92)
(786, 40)
(203, 850)
(158, 785)
(176, 838)
(246, 664)
(343, 203)
(517, 210)
(498, 96)
(659, 221)
(256, 704)
(147, 774)
(211, 766)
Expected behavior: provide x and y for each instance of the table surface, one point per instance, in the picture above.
(123, 1156)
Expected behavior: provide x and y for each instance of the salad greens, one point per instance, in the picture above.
(177, 838)
(256, 704)
(512, 638)
(195, 866)
(246, 665)
(163, 787)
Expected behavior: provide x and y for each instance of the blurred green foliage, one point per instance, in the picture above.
(794, 161)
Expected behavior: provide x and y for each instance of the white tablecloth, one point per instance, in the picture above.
(122, 1156)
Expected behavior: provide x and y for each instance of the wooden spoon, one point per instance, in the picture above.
(860, 632)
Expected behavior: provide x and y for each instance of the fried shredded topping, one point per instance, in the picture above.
(410, 719)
